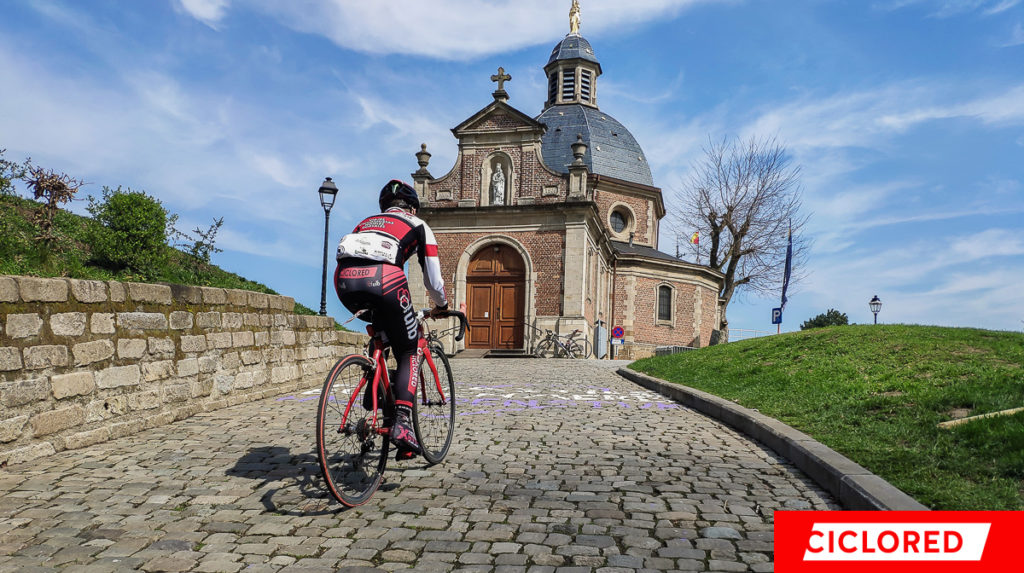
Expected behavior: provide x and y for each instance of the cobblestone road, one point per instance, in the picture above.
(560, 467)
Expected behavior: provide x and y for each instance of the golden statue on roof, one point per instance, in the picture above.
(574, 17)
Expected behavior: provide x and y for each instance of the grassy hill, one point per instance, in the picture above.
(876, 393)
(22, 254)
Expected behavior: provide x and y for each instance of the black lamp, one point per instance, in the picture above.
(875, 305)
(328, 190)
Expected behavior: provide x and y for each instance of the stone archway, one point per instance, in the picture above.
(496, 298)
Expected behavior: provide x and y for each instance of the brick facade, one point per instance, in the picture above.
(580, 273)
(639, 209)
(545, 255)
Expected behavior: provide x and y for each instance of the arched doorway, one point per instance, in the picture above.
(496, 298)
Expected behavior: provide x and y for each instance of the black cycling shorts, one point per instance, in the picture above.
(383, 289)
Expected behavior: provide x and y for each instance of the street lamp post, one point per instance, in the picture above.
(327, 191)
(875, 305)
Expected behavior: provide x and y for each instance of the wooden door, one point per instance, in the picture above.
(496, 298)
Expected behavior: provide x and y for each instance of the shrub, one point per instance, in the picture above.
(132, 231)
(9, 173)
(200, 246)
(831, 318)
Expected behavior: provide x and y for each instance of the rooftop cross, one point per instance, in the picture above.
(501, 77)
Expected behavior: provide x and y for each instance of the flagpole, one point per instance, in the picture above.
(786, 272)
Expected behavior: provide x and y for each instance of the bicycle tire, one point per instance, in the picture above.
(573, 350)
(351, 454)
(580, 348)
(433, 419)
(546, 349)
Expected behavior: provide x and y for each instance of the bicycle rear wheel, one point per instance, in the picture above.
(546, 349)
(433, 413)
(579, 349)
(352, 454)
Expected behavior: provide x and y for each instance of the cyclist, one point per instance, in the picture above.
(370, 276)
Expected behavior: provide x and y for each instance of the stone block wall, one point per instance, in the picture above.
(82, 362)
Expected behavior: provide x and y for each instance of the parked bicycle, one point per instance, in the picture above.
(562, 346)
(439, 336)
(357, 410)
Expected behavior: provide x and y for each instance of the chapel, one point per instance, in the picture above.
(551, 221)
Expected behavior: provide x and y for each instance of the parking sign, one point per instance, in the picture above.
(776, 316)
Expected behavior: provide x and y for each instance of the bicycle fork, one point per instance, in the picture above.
(428, 358)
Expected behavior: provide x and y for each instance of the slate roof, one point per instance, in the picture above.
(573, 46)
(611, 148)
(644, 251)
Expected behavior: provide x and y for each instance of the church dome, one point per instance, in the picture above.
(611, 148)
(571, 109)
(571, 47)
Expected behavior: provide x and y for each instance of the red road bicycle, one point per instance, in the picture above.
(357, 410)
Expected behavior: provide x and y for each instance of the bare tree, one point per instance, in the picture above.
(743, 198)
(54, 189)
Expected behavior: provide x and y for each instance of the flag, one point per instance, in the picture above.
(695, 238)
(789, 267)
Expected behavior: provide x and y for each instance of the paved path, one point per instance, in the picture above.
(558, 467)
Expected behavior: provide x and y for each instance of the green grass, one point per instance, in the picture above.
(22, 254)
(876, 393)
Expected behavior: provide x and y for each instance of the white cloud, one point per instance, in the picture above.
(405, 122)
(1000, 7)
(209, 12)
(958, 280)
(950, 8)
(1016, 37)
(459, 29)
(869, 117)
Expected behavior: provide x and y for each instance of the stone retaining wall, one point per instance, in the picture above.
(82, 362)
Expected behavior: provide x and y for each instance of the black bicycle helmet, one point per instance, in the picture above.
(396, 189)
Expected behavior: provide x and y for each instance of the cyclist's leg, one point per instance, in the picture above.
(396, 317)
(358, 284)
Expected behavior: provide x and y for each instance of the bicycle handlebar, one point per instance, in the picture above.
(463, 325)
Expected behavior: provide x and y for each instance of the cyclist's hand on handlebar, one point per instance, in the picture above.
(438, 311)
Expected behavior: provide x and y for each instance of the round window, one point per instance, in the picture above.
(619, 221)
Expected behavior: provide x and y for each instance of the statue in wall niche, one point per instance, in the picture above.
(498, 186)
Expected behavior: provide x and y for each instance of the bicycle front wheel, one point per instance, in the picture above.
(434, 407)
(352, 454)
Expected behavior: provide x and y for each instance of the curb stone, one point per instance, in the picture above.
(854, 486)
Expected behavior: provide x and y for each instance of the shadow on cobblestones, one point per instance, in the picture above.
(291, 483)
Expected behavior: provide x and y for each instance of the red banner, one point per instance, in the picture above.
(903, 541)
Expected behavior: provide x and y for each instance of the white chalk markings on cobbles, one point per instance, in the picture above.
(476, 399)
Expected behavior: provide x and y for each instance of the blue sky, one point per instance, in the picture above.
(905, 116)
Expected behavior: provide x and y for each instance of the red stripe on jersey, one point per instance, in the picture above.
(384, 223)
(431, 250)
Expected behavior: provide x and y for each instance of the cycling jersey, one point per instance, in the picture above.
(393, 237)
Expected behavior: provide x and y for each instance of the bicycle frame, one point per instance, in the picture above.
(429, 361)
(375, 352)
(561, 341)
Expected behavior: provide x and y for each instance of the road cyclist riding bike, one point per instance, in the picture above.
(370, 278)
(357, 412)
